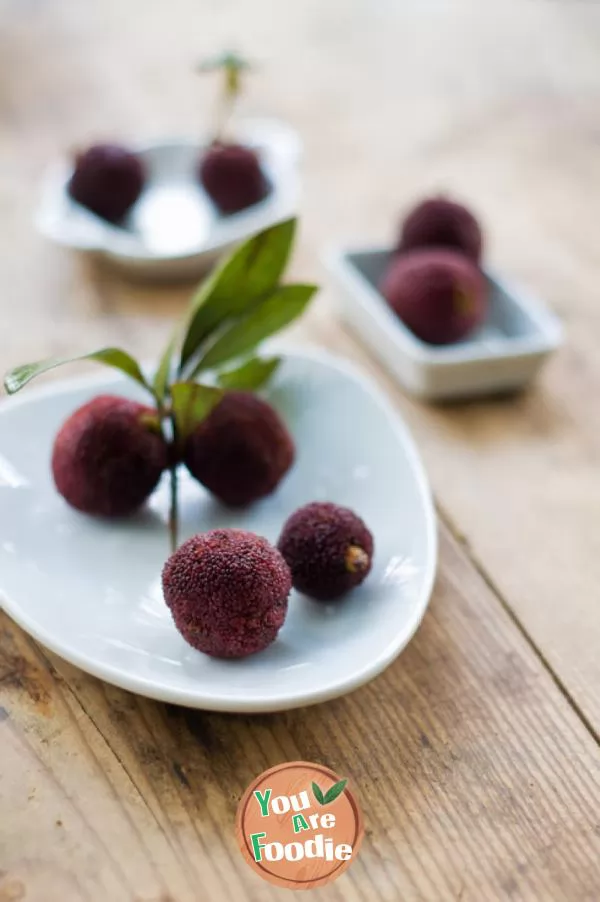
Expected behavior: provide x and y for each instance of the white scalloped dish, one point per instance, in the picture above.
(174, 230)
(90, 589)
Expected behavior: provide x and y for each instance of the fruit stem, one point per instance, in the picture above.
(173, 508)
(165, 412)
(224, 115)
(356, 559)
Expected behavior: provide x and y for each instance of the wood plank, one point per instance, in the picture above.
(518, 475)
(477, 779)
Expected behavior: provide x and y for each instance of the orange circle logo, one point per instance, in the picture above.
(299, 826)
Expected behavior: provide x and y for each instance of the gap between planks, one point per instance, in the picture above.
(463, 542)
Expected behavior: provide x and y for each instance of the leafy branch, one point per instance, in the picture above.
(232, 66)
(239, 305)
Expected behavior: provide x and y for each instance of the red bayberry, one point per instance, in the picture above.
(328, 549)
(241, 451)
(439, 294)
(108, 456)
(228, 592)
(232, 177)
(107, 179)
(439, 222)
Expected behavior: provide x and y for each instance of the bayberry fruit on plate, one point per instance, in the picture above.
(328, 548)
(90, 588)
(242, 451)
(108, 456)
(227, 590)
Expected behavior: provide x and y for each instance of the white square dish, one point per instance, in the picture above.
(503, 355)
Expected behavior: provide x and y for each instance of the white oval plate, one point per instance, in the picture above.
(90, 589)
(174, 229)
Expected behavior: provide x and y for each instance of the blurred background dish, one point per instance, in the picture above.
(174, 230)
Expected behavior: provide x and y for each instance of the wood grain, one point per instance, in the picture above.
(475, 755)
(476, 778)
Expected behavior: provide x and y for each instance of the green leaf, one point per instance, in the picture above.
(152, 421)
(228, 59)
(114, 357)
(250, 376)
(252, 271)
(279, 309)
(334, 791)
(191, 403)
(318, 794)
(161, 377)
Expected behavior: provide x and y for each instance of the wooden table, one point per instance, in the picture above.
(476, 754)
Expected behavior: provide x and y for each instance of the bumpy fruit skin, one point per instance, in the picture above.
(228, 592)
(328, 549)
(106, 460)
(232, 177)
(241, 451)
(440, 295)
(107, 179)
(439, 222)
